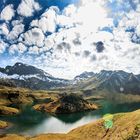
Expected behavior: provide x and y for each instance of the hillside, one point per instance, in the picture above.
(126, 126)
(109, 82)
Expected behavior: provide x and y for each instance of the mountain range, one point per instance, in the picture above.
(28, 76)
(111, 81)
(23, 75)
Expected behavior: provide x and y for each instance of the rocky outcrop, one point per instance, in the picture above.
(4, 110)
(3, 124)
(66, 104)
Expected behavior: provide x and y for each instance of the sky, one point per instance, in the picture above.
(68, 37)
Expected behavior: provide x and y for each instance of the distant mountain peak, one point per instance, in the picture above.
(23, 69)
(133, 78)
(84, 75)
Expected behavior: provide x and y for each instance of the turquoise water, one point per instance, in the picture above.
(31, 122)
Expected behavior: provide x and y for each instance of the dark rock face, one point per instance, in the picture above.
(71, 103)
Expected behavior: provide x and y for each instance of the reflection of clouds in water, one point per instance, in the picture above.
(54, 125)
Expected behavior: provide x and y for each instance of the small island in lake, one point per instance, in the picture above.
(66, 104)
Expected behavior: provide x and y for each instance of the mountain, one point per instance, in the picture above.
(28, 76)
(23, 75)
(83, 76)
(111, 81)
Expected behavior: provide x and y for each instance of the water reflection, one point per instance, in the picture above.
(54, 125)
(31, 122)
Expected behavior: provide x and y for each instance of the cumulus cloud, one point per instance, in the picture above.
(7, 13)
(16, 22)
(4, 29)
(17, 48)
(13, 49)
(33, 50)
(59, 40)
(16, 31)
(32, 37)
(47, 22)
(28, 7)
(64, 46)
(86, 53)
(48, 43)
(21, 47)
(3, 46)
(70, 10)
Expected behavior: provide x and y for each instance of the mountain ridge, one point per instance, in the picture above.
(28, 76)
(31, 77)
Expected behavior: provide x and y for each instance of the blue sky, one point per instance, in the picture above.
(61, 36)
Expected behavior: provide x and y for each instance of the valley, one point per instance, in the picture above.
(32, 102)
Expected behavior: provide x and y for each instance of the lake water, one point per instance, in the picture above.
(31, 122)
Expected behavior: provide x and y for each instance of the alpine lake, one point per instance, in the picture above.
(30, 122)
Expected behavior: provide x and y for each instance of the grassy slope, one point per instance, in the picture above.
(9, 95)
(126, 127)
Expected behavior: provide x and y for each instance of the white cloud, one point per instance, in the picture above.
(13, 49)
(32, 37)
(83, 24)
(7, 13)
(16, 31)
(3, 46)
(28, 7)
(4, 29)
(138, 30)
(33, 50)
(48, 43)
(16, 22)
(17, 48)
(70, 10)
(47, 22)
(21, 47)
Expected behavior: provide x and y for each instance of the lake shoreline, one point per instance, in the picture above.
(94, 130)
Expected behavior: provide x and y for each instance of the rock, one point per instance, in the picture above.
(66, 104)
(4, 110)
(3, 124)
